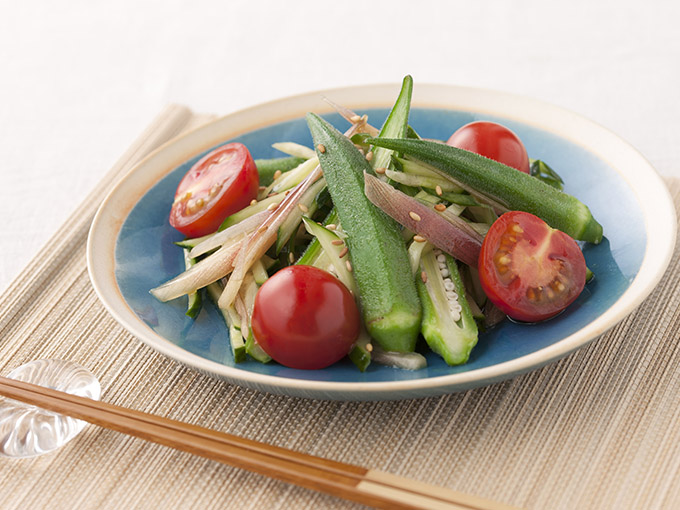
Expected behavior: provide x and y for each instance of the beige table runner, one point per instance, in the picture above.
(598, 429)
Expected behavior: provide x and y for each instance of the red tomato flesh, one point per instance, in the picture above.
(220, 184)
(493, 141)
(305, 318)
(528, 270)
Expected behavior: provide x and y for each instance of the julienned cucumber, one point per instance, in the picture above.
(512, 189)
(266, 168)
(389, 300)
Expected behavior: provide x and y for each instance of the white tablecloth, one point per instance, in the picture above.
(80, 79)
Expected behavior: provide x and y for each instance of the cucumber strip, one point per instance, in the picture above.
(236, 342)
(403, 360)
(326, 240)
(292, 178)
(448, 323)
(195, 302)
(330, 250)
(412, 167)
(251, 210)
(482, 214)
(248, 292)
(459, 198)
(387, 294)
(266, 168)
(307, 206)
(395, 125)
(254, 350)
(512, 189)
(540, 170)
(259, 272)
(230, 235)
(421, 181)
(360, 354)
(191, 242)
(295, 149)
(480, 228)
(415, 251)
(313, 250)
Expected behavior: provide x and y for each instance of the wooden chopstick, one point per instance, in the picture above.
(369, 487)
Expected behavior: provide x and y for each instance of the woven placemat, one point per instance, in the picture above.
(598, 429)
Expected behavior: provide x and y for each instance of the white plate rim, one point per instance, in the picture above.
(646, 184)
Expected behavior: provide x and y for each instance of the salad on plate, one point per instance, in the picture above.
(375, 243)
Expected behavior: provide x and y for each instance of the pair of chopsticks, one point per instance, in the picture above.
(369, 487)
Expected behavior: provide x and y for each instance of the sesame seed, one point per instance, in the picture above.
(272, 207)
(355, 118)
(303, 208)
(364, 118)
(380, 170)
(262, 188)
(438, 190)
(253, 202)
(419, 239)
(423, 276)
(343, 252)
(291, 257)
(369, 347)
(331, 226)
(369, 156)
(321, 148)
(337, 242)
(414, 216)
(349, 266)
(440, 207)
(277, 174)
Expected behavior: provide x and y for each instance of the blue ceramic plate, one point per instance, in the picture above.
(131, 248)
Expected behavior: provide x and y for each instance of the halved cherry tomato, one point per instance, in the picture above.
(493, 141)
(220, 184)
(529, 270)
(305, 318)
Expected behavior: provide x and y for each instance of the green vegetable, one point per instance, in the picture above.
(542, 171)
(268, 167)
(452, 335)
(389, 300)
(396, 124)
(511, 189)
(194, 304)
(233, 321)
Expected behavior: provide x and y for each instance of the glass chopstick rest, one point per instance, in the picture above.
(26, 430)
